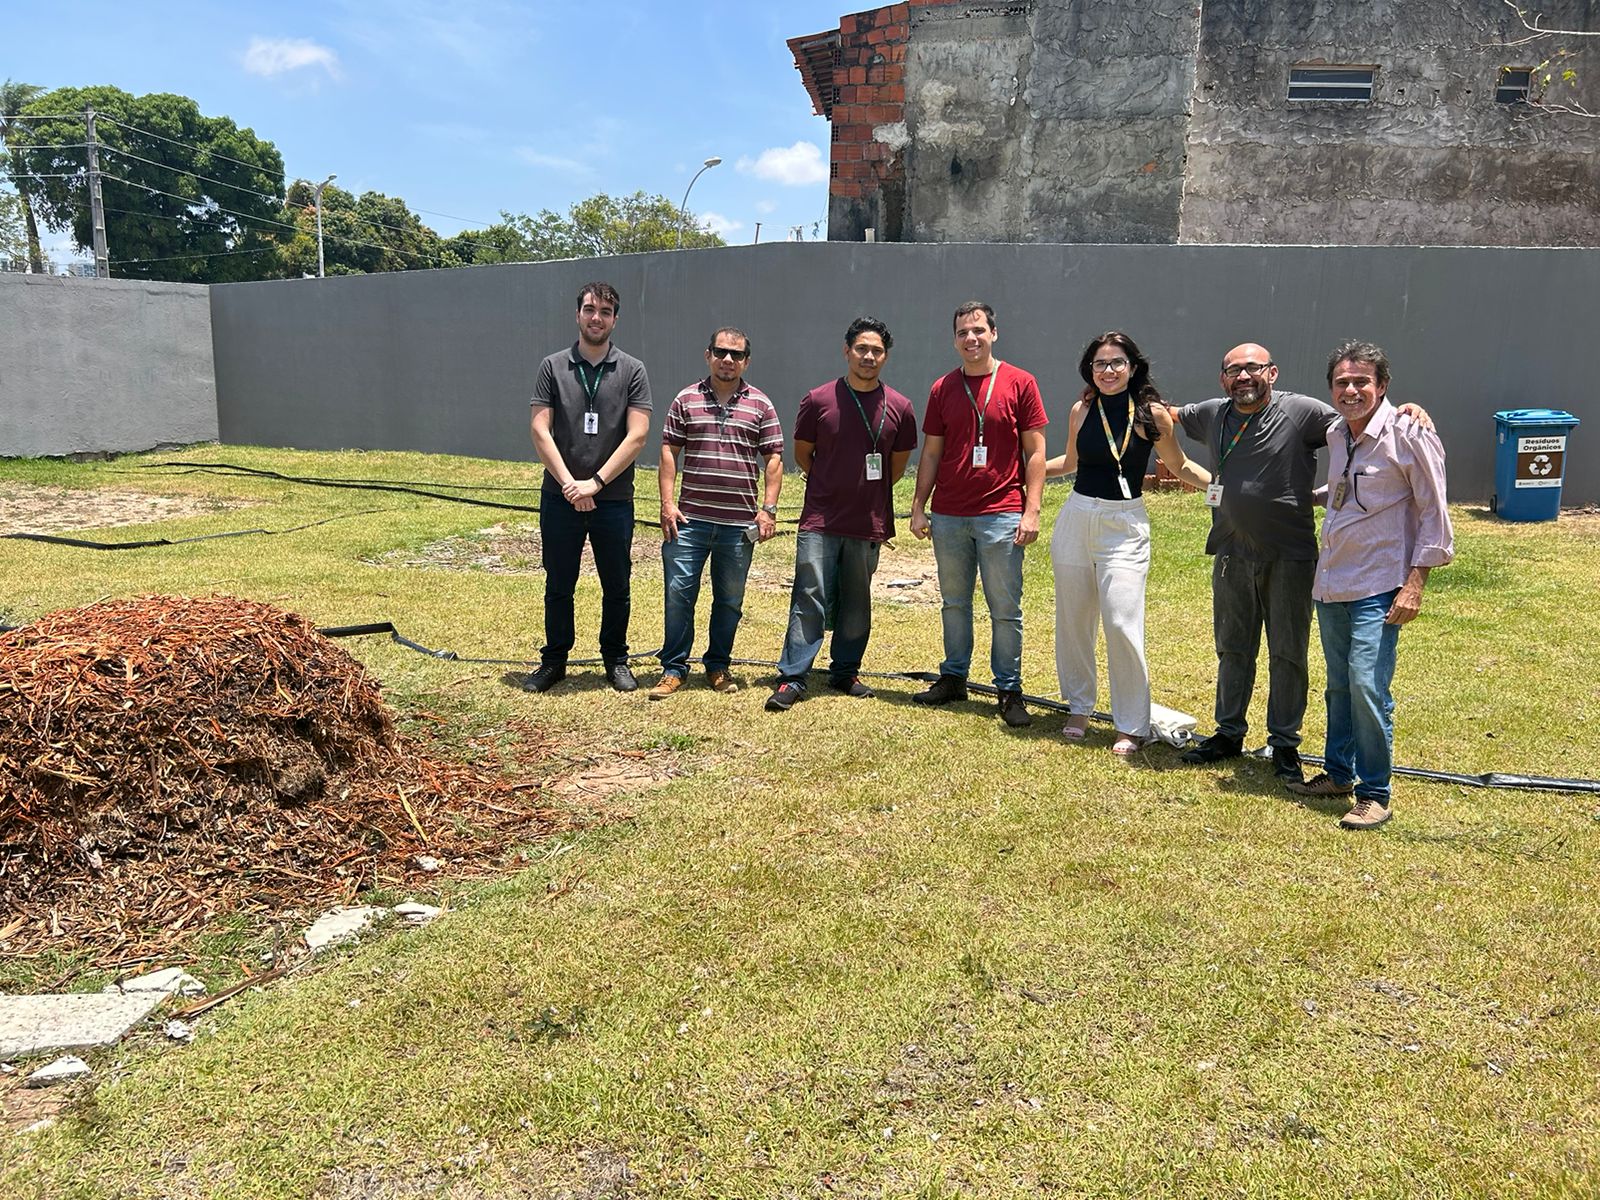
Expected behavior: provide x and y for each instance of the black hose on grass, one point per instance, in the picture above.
(52, 539)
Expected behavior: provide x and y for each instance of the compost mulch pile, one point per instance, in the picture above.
(164, 759)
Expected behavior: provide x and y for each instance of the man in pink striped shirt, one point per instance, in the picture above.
(726, 437)
(1386, 527)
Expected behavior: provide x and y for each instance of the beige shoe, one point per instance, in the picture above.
(668, 685)
(1367, 814)
(721, 681)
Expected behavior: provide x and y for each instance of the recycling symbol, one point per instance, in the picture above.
(1541, 465)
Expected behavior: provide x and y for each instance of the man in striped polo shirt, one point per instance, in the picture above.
(724, 436)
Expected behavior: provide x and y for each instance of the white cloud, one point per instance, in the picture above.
(799, 165)
(274, 56)
(719, 224)
(766, 207)
(552, 162)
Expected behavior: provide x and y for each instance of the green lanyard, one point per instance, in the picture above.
(1127, 434)
(591, 389)
(1222, 428)
(883, 414)
(981, 413)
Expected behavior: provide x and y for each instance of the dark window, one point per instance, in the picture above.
(1351, 84)
(1513, 85)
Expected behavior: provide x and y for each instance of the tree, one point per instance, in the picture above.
(188, 197)
(14, 97)
(360, 235)
(13, 234)
(600, 225)
(1556, 68)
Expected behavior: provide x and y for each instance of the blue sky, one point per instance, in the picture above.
(466, 108)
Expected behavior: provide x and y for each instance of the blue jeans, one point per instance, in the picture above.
(832, 578)
(1360, 650)
(963, 547)
(562, 531)
(682, 561)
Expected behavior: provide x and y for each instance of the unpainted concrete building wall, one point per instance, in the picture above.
(1431, 159)
(444, 360)
(1056, 120)
(91, 365)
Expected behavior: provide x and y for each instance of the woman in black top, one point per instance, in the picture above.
(1100, 549)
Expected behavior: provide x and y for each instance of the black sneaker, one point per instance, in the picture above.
(1213, 749)
(1012, 710)
(1286, 764)
(620, 677)
(852, 687)
(545, 678)
(946, 689)
(785, 698)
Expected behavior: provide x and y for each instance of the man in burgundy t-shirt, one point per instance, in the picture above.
(852, 438)
(983, 464)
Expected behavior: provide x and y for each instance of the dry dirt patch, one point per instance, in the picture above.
(28, 509)
(906, 573)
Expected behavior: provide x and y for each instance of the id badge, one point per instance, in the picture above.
(1122, 482)
(1214, 495)
(591, 423)
(1338, 493)
(874, 467)
(980, 455)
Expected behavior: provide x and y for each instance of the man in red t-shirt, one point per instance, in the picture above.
(983, 464)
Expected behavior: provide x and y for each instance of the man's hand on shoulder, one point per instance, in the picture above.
(1418, 414)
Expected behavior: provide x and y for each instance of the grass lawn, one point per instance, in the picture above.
(862, 949)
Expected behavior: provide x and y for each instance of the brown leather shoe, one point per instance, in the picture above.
(721, 681)
(668, 685)
(1367, 814)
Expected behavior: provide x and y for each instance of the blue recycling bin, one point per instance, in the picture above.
(1530, 462)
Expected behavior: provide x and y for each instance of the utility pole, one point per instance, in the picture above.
(97, 204)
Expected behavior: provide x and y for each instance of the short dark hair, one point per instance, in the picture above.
(603, 293)
(868, 325)
(731, 331)
(970, 307)
(1361, 352)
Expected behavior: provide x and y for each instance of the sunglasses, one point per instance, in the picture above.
(726, 352)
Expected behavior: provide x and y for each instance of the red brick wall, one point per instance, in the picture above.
(872, 91)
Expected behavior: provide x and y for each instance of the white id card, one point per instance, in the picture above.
(874, 467)
(980, 455)
(591, 423)
(1214, 495)
(1122, 482)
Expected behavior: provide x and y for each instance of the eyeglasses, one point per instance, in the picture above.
(1251, 369)
(727, 352)
(1109, 366)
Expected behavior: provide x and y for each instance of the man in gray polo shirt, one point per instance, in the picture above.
(591, 415)
(1262, 450)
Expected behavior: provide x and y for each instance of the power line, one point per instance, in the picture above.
(185, 145)
(116, 262)
(269, 221)
(20, 146)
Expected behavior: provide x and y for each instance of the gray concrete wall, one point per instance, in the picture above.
(1060, 122)
(1431, 159)
(444, 360)
(91, 365)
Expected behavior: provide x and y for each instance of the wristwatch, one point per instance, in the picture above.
(770, 509)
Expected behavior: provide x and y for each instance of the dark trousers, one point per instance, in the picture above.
(609, 530)
(1247, 596)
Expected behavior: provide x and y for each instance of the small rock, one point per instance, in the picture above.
(178, 1031)
(427, 862)
(64, 1070)
(341, 925)
(904, 583)
(415, 913)
(1310, 1007)
(172, 981)
(40, 1126)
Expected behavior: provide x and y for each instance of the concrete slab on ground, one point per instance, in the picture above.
(40, 1024)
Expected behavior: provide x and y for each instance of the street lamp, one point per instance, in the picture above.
(317, 193)
(684, 207)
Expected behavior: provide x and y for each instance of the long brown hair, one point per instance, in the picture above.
(1140, 387)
